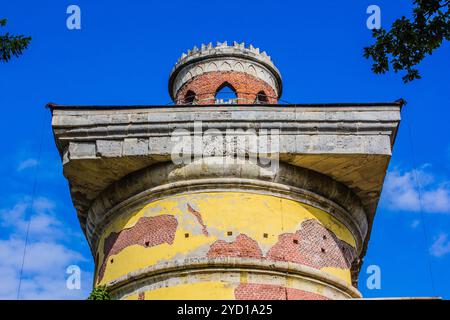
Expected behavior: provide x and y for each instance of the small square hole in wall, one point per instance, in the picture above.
(295, 241)
(186, 235)
(322, 249)
(324, 237)
(265, 235)
(112, 260)
(229, 233)
(147, 243)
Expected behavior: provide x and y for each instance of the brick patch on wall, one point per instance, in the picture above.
(313, 245)
(243, 247)
(147, 232)
(255, 291)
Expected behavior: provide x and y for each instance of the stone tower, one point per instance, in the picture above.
(242, 198)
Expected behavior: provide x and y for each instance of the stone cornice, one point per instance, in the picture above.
(77, 123)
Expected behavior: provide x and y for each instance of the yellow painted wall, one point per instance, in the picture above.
(238, 212)
(212, 290)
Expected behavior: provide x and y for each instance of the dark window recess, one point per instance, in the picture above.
(322, 249)
(265, 235)
(261, 98)
(229, 233)
(189, 98)
(186, 235)
(295, 241)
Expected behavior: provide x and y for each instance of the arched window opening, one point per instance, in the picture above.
(189, 98)
(225, 94)
(261, 98)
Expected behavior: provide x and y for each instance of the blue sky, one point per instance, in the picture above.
(123, 54)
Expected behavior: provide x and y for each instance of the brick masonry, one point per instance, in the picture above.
(313, 245)
(255, 291)
(147, 232)
(207, 84)
(242, 247)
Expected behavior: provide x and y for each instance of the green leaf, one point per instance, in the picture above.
(100, 293)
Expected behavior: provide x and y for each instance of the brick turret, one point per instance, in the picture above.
(249, 75)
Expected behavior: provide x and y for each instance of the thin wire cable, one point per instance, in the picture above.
(33, 195)
(422, 216)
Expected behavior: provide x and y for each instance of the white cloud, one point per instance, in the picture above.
(415, 224)
(9, 216)
(441, 246)
(54, 288)
(43, 221)
(437, 200)
(401, 191)
(44, 272)
(47, 255)
(26, 164)
(43, 204)
(40, 256)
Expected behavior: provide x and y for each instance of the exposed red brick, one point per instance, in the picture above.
(147, 232)
(243, 247)
(297, 294)
(206, 85)
(313, 245)
(255, 291)
(199, 218)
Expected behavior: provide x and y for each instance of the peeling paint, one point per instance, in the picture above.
(204, 220)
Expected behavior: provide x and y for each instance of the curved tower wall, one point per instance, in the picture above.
(210, 231)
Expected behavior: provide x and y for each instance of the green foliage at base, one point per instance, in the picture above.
(100, 293)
